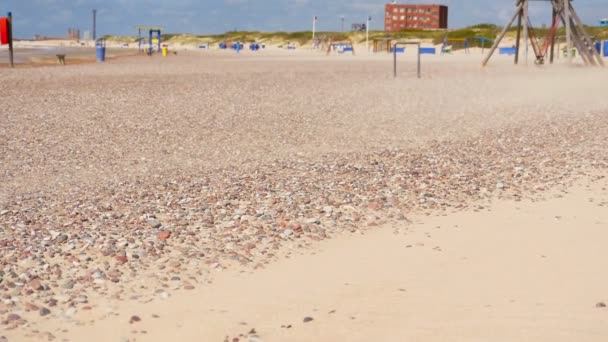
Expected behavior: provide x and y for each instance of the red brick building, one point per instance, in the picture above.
(422, 17)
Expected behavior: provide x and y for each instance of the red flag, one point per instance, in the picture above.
(3, 31)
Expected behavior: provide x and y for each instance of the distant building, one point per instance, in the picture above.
(604, 22)
(422, 17)
(73, 33)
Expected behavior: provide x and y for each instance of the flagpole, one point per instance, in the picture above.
(367, 34)
(10, 39)
(314, 26)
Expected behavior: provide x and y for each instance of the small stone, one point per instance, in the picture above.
(36, 285)
(44, 312)
(81, 299)
(61, 238)
(3, 339)
(31, 307)
(600, 305)
(13, 317)
(308, 319)
(252, 331)
(313, 221)
(121, 259)
(500, 185)
(189, 287)
(164, 235)
(134, 319)
(154, 223)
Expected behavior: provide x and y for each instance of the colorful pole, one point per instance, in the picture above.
(10, 40)
(150, 42)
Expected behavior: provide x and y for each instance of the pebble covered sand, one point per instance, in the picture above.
(141, 176)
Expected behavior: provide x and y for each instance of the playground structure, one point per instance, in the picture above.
(446, 47)
(563, 12)
(449, 44)
(382, 45)
(152, 41)
(403, 43)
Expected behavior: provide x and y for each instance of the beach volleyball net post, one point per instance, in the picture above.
(6, 36)
(417, 43)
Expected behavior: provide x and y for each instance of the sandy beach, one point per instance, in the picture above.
(523, 271)
(231, 197)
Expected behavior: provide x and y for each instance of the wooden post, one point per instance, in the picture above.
(553, 23)
(502, 34)
(566, 4)
(575, 40)
(395, 60)
(419, 75)
(586, 38)
(581, 46)
(526, 29)
(518, 38)
(10, 40)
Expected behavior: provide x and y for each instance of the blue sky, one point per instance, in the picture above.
(53, 17)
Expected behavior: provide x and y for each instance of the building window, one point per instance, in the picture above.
(394, 17)
(402, 17)
(402, 10)
(395, 10)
